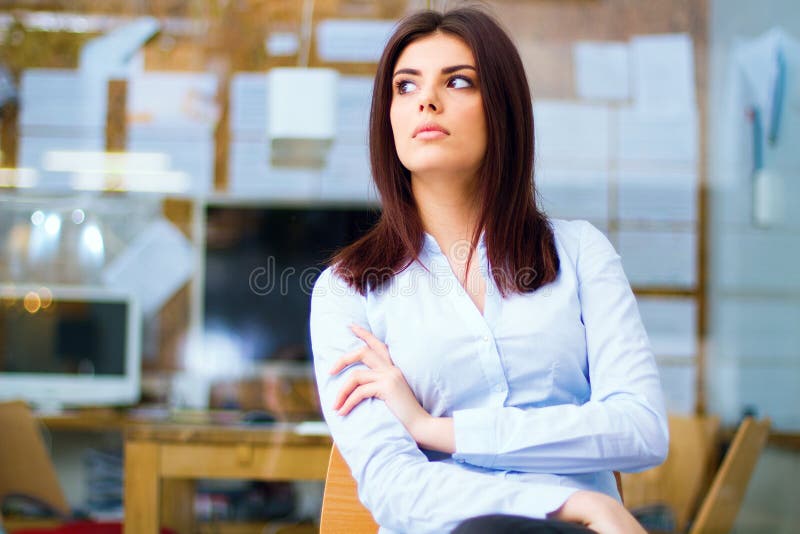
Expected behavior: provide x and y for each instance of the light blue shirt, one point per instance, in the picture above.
(550, 391)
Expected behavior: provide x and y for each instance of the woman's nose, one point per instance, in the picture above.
(429, 101)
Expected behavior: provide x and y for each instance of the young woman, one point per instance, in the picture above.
(473, 356)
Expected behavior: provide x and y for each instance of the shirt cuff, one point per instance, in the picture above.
(475, 437)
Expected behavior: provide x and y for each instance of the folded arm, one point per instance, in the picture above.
(622, 427)
(397, 483)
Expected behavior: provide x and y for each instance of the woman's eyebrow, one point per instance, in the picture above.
(454, 68)
(445, 70)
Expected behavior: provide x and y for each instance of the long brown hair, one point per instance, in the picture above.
(519, 240)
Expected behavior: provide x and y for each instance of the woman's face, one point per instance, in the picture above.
(437, 110)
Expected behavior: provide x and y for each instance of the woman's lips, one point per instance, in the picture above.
(430, 131)
(426, 135)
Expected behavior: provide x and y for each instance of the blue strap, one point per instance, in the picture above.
(758, 141)
(777, 98)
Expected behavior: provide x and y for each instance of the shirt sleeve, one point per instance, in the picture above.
(403, 489)
(623, 425)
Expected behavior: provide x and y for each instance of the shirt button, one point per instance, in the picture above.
(486, 338)
(498, 388)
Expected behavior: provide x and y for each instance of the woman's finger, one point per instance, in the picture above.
(373, 342)
(356, 378)
(349, 358)
(362, 392)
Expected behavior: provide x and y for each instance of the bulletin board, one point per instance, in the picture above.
(228, 39)
(673, 309)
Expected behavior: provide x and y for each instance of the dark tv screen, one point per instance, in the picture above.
(261, 265)
(66, 337)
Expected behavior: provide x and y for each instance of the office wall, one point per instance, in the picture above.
(754, 280)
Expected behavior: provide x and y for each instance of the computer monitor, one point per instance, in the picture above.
(69, 346)
(261, 265)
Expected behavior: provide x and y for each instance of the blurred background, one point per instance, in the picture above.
(190, 165)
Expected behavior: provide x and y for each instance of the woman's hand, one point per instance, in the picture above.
(381, 379)
(598, 512)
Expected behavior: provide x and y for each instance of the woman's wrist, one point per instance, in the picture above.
(434, 433)
(597, 511)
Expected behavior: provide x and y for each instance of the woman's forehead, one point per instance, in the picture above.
(434, 51)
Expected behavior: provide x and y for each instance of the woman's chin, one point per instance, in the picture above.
(440, 168)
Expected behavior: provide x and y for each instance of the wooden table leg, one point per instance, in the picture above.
(177, 505)
(141, 488)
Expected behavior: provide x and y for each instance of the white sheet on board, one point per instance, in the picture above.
(658, 258)
(679, 383)
(601, 70)
(572, 132)
(662, 68)
(352, 40)
(573, 193)
(657, 194)
(651, 137)
(671, 325)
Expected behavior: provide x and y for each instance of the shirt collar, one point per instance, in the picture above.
(431, 246)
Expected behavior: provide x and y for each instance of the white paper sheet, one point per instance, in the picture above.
(353, 103)
(659, 258)
(663, 73)
(671, 325)
(573, 193)
(756, 329)
(348, 175)
(679, 385)
(176, 101)
(352, 40)
(601, 70)
(654, 137)
(192, 158)
(249, 173)
(572, 133)
(282, 43)
(770, 390)
(55, 98)
(248, 106)
(754, 261)
(156, 264)
(657, 194)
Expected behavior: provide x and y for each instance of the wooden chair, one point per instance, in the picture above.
(342, 512)
(681, 480)
(25, 465)
(718, 511)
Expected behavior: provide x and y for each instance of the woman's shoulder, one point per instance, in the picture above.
(586, 246)
(570, 233)
(331, 284)
(580, 240)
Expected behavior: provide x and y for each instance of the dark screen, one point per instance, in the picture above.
(65, 337)
(261, 265)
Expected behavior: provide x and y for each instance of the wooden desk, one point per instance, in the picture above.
(162, 461)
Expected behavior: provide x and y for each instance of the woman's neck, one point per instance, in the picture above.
(448, 209)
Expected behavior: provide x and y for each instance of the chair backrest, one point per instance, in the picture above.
(342, 512)
(680, 481)
(718, 511)
(25, 465)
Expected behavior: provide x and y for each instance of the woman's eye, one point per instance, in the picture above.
(404, 86)
(459, 82)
